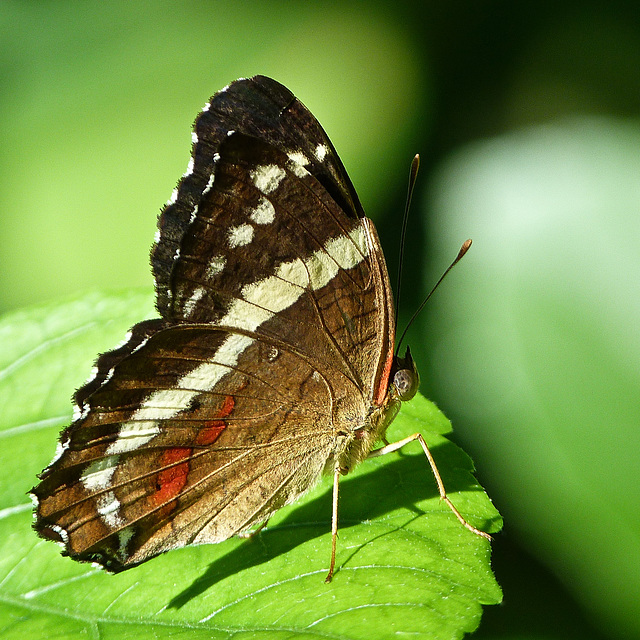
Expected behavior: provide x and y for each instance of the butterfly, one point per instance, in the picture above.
(271, 364)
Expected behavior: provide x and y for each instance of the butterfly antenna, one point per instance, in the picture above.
(463, 249)
(413, 174)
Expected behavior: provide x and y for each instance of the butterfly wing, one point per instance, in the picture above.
(270, 251)
(275, 339)
(178, 447)
(264, 109)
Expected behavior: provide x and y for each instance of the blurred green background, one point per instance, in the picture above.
(526, 116)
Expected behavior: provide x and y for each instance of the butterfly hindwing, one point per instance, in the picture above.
(197, 457)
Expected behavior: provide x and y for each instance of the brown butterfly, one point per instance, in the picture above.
(272, 362)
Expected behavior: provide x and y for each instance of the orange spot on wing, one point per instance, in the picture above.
(384, 380)
(172, 478)
(213, 428)
(171, 481)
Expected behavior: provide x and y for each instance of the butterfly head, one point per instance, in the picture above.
(405, 376)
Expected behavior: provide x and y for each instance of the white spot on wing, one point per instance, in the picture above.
(79, 413)
(321, 152)
(298, 157)
(189, 170)
(122, 343)
(297, 164)
(99, 473)
(173, 197)
(107, 377)
(61, 532)
(267, 177)
(108, 507)
(340, 252)
(95, 370)
(139, 346)
(195, 297)
(141, 427)
(263, 212)
(207, 106)
(292, 273)
(62, 447)
(297, 169)
(243, 314)
(240, 235)
(194, 137)
(216, 265)
(209, 185)
(134, 433)
(227, 355)
(208, 374)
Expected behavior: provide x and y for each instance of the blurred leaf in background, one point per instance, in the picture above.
(532, 347)
(539, 344)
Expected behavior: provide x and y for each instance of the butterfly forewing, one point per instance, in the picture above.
(317, 287)
(259, 199)
(264, 109)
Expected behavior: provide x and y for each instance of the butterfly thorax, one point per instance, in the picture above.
(355, 446)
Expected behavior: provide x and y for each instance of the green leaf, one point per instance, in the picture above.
(405, 565)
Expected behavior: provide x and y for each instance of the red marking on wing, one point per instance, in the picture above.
(171, 481)
(384, 380)
(213, 428)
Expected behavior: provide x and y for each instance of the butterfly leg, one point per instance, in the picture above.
(394, 446)
(334, 523)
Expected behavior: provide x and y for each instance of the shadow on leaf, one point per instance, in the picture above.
(368, 496)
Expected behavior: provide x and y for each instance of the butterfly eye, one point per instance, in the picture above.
(406, 383)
